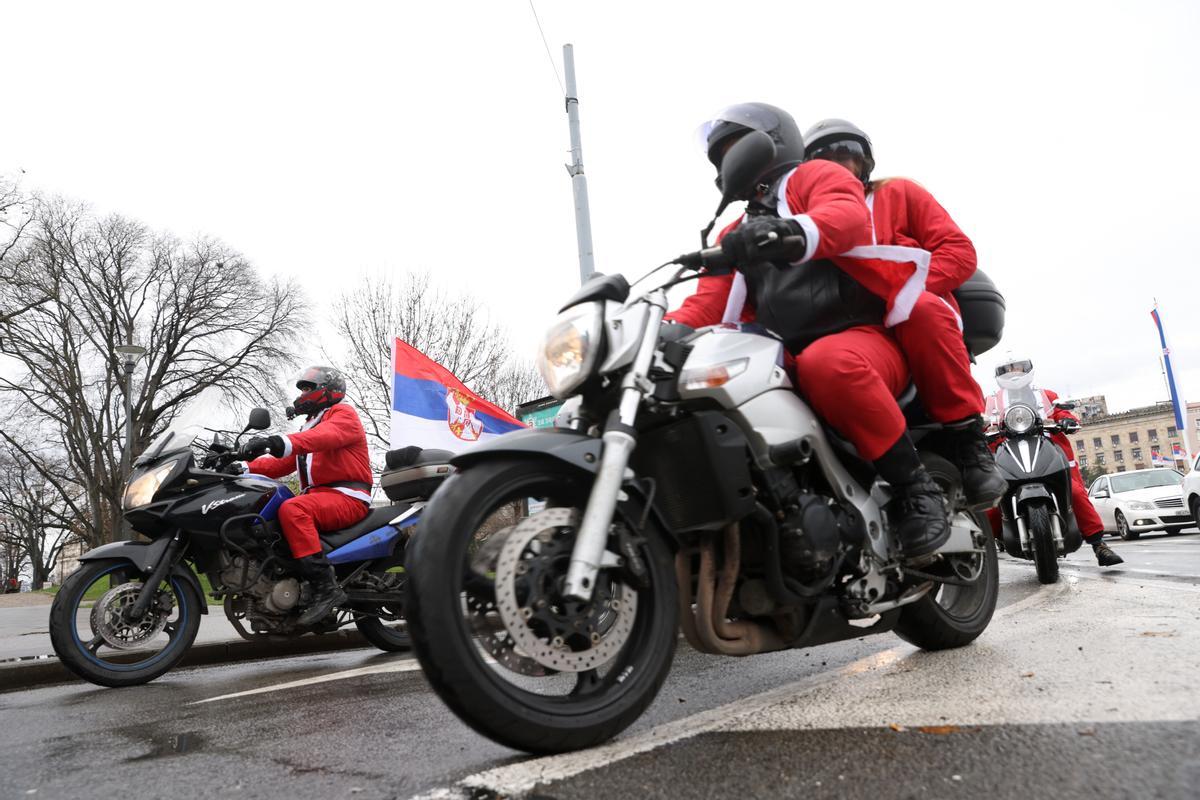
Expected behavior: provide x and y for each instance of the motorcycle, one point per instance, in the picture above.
(1036, 519)
(131, 610)
(688, 485)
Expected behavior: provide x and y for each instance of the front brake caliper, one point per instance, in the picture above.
(634, 568)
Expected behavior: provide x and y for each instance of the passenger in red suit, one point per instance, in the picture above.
(1016, 375)
(905, 214)
(331, 456)
(824, 299)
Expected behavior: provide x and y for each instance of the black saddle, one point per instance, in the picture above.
(375, 518)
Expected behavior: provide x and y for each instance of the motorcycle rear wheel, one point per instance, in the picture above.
(391, 636)
(481, 666)
(116, 666)
(1045, 552)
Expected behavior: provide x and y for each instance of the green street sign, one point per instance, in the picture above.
(539, 413)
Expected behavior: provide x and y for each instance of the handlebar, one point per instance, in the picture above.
(717, 262)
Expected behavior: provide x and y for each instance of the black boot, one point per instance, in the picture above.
(983, 485)
(326, 593)
(1105, 555)
(921, 522)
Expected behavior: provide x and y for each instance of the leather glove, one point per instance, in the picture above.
(263, 444)
(1068, 425)
(233, 468)
(751, 242)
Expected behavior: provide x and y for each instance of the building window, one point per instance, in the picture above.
(1083, 461)
(1137, 454)
(1152, 434)
(1079, 444)
(1120, 469)
(1154, 450)
(1116, 439)
(1097, 442)
(1133, 437)
(1198, 423)
(1100, 459)
(1171, 431)
(1118, 456)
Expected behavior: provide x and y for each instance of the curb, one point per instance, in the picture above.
(44, 671)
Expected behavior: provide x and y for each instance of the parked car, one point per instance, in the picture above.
(1191, 491)
(1133, 503)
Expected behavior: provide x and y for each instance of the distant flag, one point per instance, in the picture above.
(1157, 460)
(1177, 451)
(1177, 401)
(432, 408)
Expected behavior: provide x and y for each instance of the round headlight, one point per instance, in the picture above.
(570, 348)
(141, 489)
(1019, 419)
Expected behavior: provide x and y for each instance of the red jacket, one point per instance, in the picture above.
(827, 201)
(904, 213)
(330, 449)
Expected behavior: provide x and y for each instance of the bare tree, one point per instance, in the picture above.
(207, 320)
(453, 330)
(36, 520)
(15, 299)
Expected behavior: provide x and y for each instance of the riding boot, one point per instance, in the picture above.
(326, 593)
(922, 525)
(983, 485)
(1105, 555)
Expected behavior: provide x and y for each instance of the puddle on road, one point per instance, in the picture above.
(174, 745)
(23, 659)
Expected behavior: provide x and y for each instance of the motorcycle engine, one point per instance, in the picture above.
(812, 533)
(267, 595)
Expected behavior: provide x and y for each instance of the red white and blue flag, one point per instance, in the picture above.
(1177, 401)
(1177, 451)
(432, 408)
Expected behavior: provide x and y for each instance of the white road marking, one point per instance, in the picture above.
(516, 779)
(408, 665)
(1127, 574)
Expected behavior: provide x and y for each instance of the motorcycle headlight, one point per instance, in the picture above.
(141, 490)
(1019, 419)
(570, 348)
(1141, 505)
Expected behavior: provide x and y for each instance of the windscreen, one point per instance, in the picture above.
(1145, 480)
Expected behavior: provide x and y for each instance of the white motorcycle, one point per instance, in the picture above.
(690, 487)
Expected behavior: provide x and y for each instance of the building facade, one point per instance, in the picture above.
(1087, 408)
(1132, 439)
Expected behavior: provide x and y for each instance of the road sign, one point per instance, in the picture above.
(539, 413)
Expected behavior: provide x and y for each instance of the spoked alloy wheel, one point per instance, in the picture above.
(95, 638)
(1123, 529)
(501, 645)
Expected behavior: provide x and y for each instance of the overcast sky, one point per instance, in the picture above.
(326, 140)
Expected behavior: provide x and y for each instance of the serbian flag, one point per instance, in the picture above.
(1177, 402)
(1177, 452)
(432, 408)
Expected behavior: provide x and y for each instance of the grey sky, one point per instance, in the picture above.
(325, 140)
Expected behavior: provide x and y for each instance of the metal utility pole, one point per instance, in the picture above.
(583, 221)
(132, 353)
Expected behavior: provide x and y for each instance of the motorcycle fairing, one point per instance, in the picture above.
(378, 543)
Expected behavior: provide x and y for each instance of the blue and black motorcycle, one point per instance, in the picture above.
(132, 609)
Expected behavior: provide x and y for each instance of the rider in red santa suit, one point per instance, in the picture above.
(847, 365)
(904, 214)
(1016, 376)
(330, 453)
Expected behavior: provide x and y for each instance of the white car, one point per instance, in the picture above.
(1132, 503)
(1191, 491)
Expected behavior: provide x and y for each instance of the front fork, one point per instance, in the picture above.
(620, 438)
(150, 587)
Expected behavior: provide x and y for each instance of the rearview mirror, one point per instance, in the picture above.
(260, 419)
(1066, 405)
(1102, 494)
(748, 157)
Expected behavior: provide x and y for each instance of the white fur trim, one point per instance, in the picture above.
(287, 446)
(906, 298)
(355, 493)
(957, 316)
(812, 233)
(871, 216)
(736, 302)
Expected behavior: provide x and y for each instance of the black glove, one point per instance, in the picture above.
(233, 468)
(260, 444)
(752, 242)
(1068, 425)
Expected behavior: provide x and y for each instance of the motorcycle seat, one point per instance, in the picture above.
(416, 457)
(376, 518)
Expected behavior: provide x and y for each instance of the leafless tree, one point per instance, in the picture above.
(15, 299)
(453, 330)
(209, 323)
(36, 519)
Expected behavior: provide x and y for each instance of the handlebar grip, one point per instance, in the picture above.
(715, 259)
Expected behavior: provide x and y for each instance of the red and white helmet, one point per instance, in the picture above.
(320, 387)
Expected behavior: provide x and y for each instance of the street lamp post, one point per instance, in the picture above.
(131, 353)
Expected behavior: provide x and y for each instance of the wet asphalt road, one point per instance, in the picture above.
(1097, 670)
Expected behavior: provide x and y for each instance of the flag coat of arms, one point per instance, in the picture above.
(432, 408)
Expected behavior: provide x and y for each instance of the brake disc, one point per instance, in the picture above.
(108, 617)
(562, 634)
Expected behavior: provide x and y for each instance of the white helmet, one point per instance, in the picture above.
(1015, 373)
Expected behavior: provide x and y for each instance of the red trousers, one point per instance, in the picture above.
(852, 379)
(317, 510)
(932, 343)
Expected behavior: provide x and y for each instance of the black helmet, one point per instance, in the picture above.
(320, 387)
(728, 125)
(830, 138)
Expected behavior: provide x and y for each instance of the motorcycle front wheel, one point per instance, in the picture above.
(511, 656)
(94, 637)
(1045, 552)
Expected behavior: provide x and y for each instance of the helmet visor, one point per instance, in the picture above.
(838, 150)
(1023, 367)
(748, 115)
(310, 378)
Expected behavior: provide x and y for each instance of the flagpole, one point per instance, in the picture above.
(583, 220)
(1177, 402)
